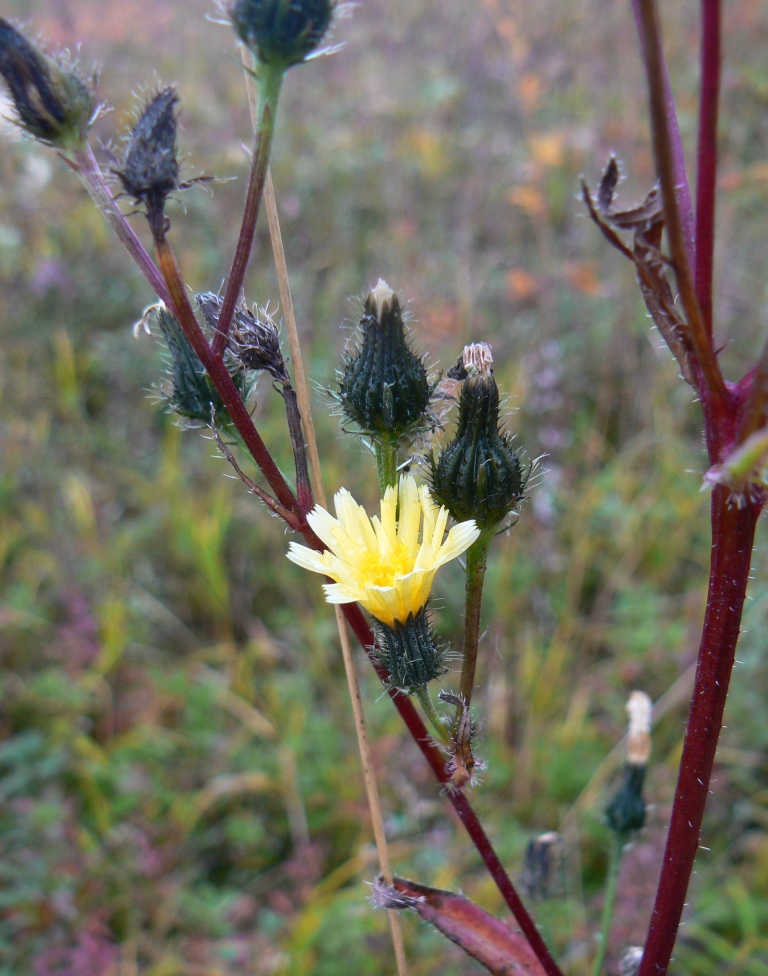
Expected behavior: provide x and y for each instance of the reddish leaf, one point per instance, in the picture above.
(493, 943)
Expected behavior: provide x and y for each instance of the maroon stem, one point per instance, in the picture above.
(733, 531)
(706, 179)
(676, 146)
(458, 800)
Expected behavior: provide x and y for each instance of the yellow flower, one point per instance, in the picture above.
(386, 564)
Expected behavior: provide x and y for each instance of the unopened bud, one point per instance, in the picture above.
(281, 32)
(384, 388)
(478, 475)
(53, 104)
(626, 811)
(640, 709)
(150, 171)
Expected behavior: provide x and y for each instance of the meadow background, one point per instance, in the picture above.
(179, 784)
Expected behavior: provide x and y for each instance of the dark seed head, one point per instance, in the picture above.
(281, 32)
(254, 340)
(150, 170)
(52, 103)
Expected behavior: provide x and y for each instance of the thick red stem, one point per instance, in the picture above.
(733, 531)
(706, 179)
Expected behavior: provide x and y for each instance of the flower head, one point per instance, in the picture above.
(385, 563)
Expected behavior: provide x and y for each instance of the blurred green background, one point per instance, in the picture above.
(180, 791)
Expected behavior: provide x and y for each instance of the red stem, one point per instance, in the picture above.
(460, 803)
(676, 146)
(706, 179)
(733, 531)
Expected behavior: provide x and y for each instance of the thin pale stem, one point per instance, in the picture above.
(706, 178)
(385, 449)
(425, 700)
(609, 905)
(711, 386)
(477, 561)
(733, 533)
(89, 171)
(270, 80)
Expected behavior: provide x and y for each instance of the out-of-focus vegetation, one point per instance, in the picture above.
(179, 784)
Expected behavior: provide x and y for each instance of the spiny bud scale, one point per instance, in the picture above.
(281, 32)
(410, 651)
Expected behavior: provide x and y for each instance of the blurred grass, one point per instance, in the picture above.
(179, 782)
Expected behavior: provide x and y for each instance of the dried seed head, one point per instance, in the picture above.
(542, 867)
(281, 32)
(254, 339)
(478, 475)
(639, 708)
(53, 104)
(384, 388)
(150, 171)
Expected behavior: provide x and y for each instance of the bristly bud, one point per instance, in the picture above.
(52, 103)
(192, 394)
(410, 652)
(626, 811)
(281, 32)
(384, 388)
(150, 171)
(478, 475)
(254, 339)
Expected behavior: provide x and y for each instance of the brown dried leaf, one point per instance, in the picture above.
(490, 941)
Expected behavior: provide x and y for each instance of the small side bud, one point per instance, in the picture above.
(150, 171)
(384, 388)
(53, 104)
(191, 394)
(463, 764)
(744, 473)
(254, 339)
(281, 32)
(478, 475)
(626, 811)
(410, 652)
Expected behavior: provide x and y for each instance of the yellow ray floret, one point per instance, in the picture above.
(387, 564)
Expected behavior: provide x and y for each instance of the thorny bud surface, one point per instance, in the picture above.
(281, 32)
(150, 171)
(478, 475)
(410, 651)
(254, 339)
(53, 104)
(192, 394)
(384, 388)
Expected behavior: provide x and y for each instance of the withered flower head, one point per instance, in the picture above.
(281, 32)
(254, 339)
(150, 171)
(52, 103)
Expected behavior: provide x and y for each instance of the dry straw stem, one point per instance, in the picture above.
(302, 392)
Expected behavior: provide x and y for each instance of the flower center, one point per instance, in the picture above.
(378, 569)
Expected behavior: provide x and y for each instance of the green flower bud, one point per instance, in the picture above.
(191, 393)
(410, 651)
(626, 811)
(478, 475)
(53, 104)
(281, 32)
(384, 388)
(150, 171)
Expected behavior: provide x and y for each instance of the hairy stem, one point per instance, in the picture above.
(477, 560)
(270, 80)
(89, 171)
(733, 532)
(385, 448)
(706, 177)
(425, 700)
